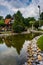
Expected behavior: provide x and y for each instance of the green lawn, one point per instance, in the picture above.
(40, 43)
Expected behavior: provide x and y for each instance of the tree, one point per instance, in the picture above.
(8, 16)
(2, 22)
(36, 24)
(1, 17)
(41, 22)
(41, 16)
(18, 25)
(32, 21)
(26, 22)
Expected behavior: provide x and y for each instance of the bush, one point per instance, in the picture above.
(36, 24)
(18, 28)
(1, 22)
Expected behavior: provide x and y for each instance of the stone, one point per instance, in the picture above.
(35, 56)
(37, 62)
(33, 64)
(39, 57)
(41, 62)
(38, 50)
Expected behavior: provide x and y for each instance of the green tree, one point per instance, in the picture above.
(2, 22)
(41, 22)
(8, 16)
(26, 22)
(32, 21)
(18, 25)
(41, 16)
(36, 24)
(1, 17)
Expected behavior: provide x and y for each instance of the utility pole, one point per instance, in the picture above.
(39, 14)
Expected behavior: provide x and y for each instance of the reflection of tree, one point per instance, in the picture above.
(16, 41)
(7, 42)
(1, 41)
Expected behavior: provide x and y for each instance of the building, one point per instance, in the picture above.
(8, 24)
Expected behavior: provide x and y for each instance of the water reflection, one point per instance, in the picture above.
(15, 41)
(9, 56)
(13, 49)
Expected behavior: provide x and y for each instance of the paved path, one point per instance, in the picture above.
(9, 34)
(25, 32)
(34, 31)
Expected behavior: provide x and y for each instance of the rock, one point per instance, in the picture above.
(41, 54)
(39, 57)
(38, 50)
(35, 56)
(33, 64)
(25, 63)
(41, 62)
(37, 62)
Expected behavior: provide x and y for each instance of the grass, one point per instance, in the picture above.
(1, 22)
(40, 43)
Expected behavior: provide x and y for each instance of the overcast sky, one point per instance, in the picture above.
(28, 8)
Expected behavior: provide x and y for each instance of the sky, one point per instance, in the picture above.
(28, 8)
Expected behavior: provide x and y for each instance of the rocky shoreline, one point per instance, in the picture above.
(34, 54)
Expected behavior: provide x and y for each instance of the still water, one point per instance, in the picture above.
(13, 49)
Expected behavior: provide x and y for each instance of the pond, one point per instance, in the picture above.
(13, 49)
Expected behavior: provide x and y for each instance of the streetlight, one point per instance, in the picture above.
(39, 14)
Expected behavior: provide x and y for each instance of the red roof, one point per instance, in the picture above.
(7, 21)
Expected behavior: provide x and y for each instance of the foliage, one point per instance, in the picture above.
(41, 16)
(26, 22)
(17, 28)
(31, 21)
(8, 16)
(1, 22)
(21, 23)
(40, 43)
(36, 24)
(1, 17)
(41, 22)
(18, 25)
(1, 41)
